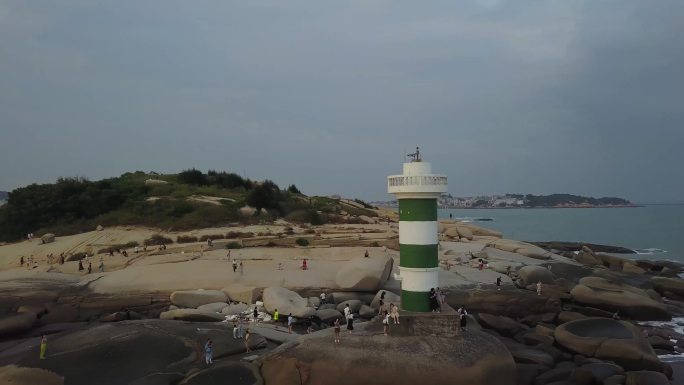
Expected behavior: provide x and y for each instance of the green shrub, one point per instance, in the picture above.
(186, 239)
(112, 248)
(233, 245)
(302, 242)
(157, 239)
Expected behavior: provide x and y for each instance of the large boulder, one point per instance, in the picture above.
(646, 377)
(329, 315)
(16, 324)
(234, 309)
(501, 324)
(600, 371)
(515, 304)
(216, 307)
(47, 238)
(195, 315)
(354, 305)
(14, 375)
(475, 358)
(532, 356)
(286, 301)
(532, 274)
(364, 274)
(224, 372)
(241, 293)
(196, 298)
(672, 285)
(522, 248)
(610, 340)
(617, 296)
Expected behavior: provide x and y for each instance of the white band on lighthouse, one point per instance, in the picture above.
(418, 233)
(419, 280)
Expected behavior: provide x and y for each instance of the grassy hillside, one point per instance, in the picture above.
(190, 199)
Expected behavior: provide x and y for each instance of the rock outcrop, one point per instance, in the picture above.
(286, 301)
(241, 293)
(530, 275)
(196, 298)
(18, 323)
(476, 358)
(616, 296)
(195, 315)
(364, 274)
(672, 285)
(610, 340)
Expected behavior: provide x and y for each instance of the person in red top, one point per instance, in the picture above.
(304, 267)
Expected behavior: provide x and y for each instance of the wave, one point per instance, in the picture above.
(650, 251)
(477, 219)
(677, 325)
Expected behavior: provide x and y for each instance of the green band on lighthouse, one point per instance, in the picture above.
(421, 256)
(418, 301)
(417, 209)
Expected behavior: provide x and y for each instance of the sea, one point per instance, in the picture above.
(652, 231)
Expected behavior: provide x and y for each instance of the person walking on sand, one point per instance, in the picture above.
(234, 264)
(336, 325)
(209, 352)
(43, 347)
(90, 267)
(394, 312)
(539, 288)
(21, 261)
(290, 322)
(242, 268)
(366, 255)
(498, 283)
(247, 335)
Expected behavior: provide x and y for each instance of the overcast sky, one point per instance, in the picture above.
(538, 97)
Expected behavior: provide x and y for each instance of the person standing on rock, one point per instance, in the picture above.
(247, 335)
(394, 313)
(101, 266)
(385, 323)
(463, 317)
(209, 352)
(43, 347)
(539, 288)
(350, 323)
(80, 265)
(347, 311)
(290, 321)
(498, 283)
(336, 325)
(276, 315)
(322, 298)
(241, 328)
(90, 267)
(256, 314)
(235, 330)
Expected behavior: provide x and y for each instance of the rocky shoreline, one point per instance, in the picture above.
(592, 323)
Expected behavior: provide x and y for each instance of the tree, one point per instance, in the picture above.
(265, 196)
(192, 176)
(293, 189)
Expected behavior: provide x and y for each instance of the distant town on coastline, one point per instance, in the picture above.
(448, 201)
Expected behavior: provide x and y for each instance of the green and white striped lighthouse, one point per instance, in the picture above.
(417, 191)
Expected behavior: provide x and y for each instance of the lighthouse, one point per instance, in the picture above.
(417, 191)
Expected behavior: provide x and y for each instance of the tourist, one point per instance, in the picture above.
(438, 296)
(385, 323)
(21, 261)
(304, 266)
(234, 264)
(241, 328)
(256, 314)
(463, 315)
(208, 352)
(394, 313)
(90, 267)
(61, 259)
(366, 255)
(101, 266)
(347, 311)
(280, 266)
(381, 302)
(322, 298)
(350, 323)
(247, 335)
(276, 315)
(137, 249)
(433, 300)
(242, 268)
(508, 270)
(498, 283)
(539, 288)
(80, 265)
(235, 330)
(290, 322)
(43, 347)
(336, 325)
(451, 216)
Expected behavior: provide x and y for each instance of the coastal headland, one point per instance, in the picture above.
(145, 318)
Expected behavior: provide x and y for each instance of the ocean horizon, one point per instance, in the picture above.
(651, 230)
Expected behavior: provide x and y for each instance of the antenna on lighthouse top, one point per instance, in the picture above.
(415, 157)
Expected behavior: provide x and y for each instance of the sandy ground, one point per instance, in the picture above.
(194, 266)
